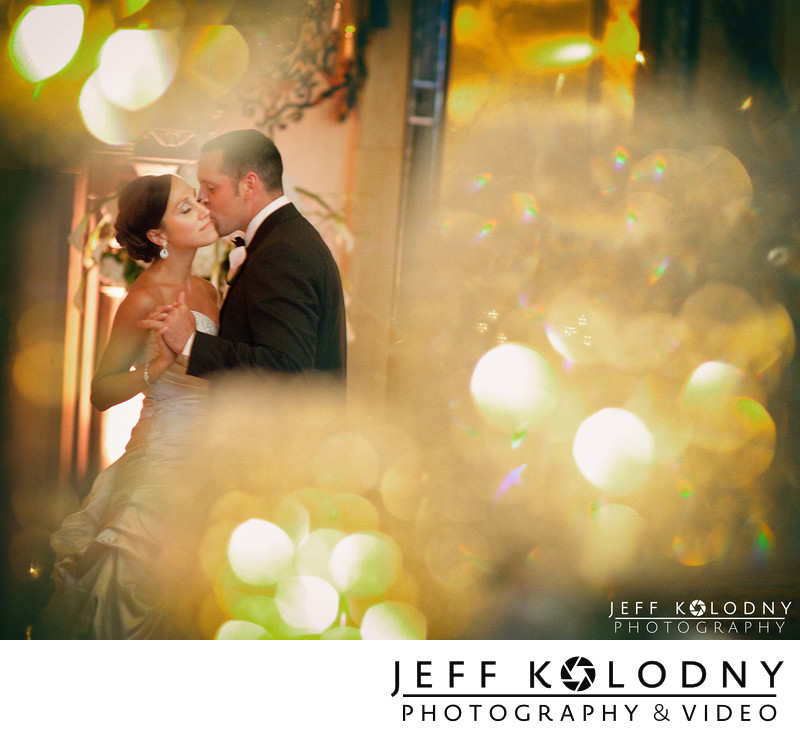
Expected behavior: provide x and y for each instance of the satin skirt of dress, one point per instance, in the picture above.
(116, 573)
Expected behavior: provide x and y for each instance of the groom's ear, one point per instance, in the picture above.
(156, 235)
(249, 184)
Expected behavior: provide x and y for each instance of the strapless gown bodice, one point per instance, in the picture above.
(171, 406)
(108, 553)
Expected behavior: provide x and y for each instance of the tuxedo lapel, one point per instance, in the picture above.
(281, 215)
(273, 220)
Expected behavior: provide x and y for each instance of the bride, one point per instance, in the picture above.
(111, 559)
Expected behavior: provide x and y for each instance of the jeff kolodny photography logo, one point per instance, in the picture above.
(699, 616)
(596, 691)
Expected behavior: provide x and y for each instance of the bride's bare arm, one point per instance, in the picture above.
(113, 381)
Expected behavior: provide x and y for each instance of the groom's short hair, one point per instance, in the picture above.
(246, 151)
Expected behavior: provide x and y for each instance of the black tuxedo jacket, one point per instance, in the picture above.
(284, 310)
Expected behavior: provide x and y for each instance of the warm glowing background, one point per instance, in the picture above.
(573, 308)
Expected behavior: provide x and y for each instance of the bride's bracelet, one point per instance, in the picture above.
(146, 374)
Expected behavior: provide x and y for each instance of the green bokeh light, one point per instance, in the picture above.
(365, 564)
(393, 621)
(45, 39)
(260, 552)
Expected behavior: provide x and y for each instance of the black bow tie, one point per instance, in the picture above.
(238, 241)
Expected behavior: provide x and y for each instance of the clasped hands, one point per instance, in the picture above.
(173, 323)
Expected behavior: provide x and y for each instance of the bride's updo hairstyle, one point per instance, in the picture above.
(142, 204)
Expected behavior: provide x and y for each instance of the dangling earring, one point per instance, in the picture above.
(164, 253)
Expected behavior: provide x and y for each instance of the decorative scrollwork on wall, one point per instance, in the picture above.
(325, 62)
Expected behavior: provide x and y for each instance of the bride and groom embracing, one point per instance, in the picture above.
(283, 312)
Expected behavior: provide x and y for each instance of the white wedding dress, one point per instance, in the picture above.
(115, 573)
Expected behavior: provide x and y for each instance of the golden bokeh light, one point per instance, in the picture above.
(355, 513)
(614, 451)
(580, 327)
(621, 40)
(400, 488)
(733, 443)
(713, 383)
(36, 372)
(725, 186)
(557, 53)
(698, 542)
(657, 405)
(723, 318)
(235, 505)
(346, 462)
(217, 60)
(468, 97)
(28, 549)
(514, 387)
(473, 25)
(612, 543)
(647, 340)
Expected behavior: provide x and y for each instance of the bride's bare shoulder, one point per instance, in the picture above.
(208, 289)
(141, 300)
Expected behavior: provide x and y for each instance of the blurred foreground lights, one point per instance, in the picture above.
(614, 449)
(346, 462)
(514, 387)
(558, 53)
(260, 552)
(582, 329)
(712, 383)
(314, 553)
(699, 548)
(525, 206)
(218, 60)
(393, 621)
(137, 66)
(129, 7)
(612, 545)
(45, 39)
(365, 564)
(241, 630)
(468, 98)
(32, 373)
(306, 603)
(107, 122)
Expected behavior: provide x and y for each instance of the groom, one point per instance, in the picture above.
(284, 310)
